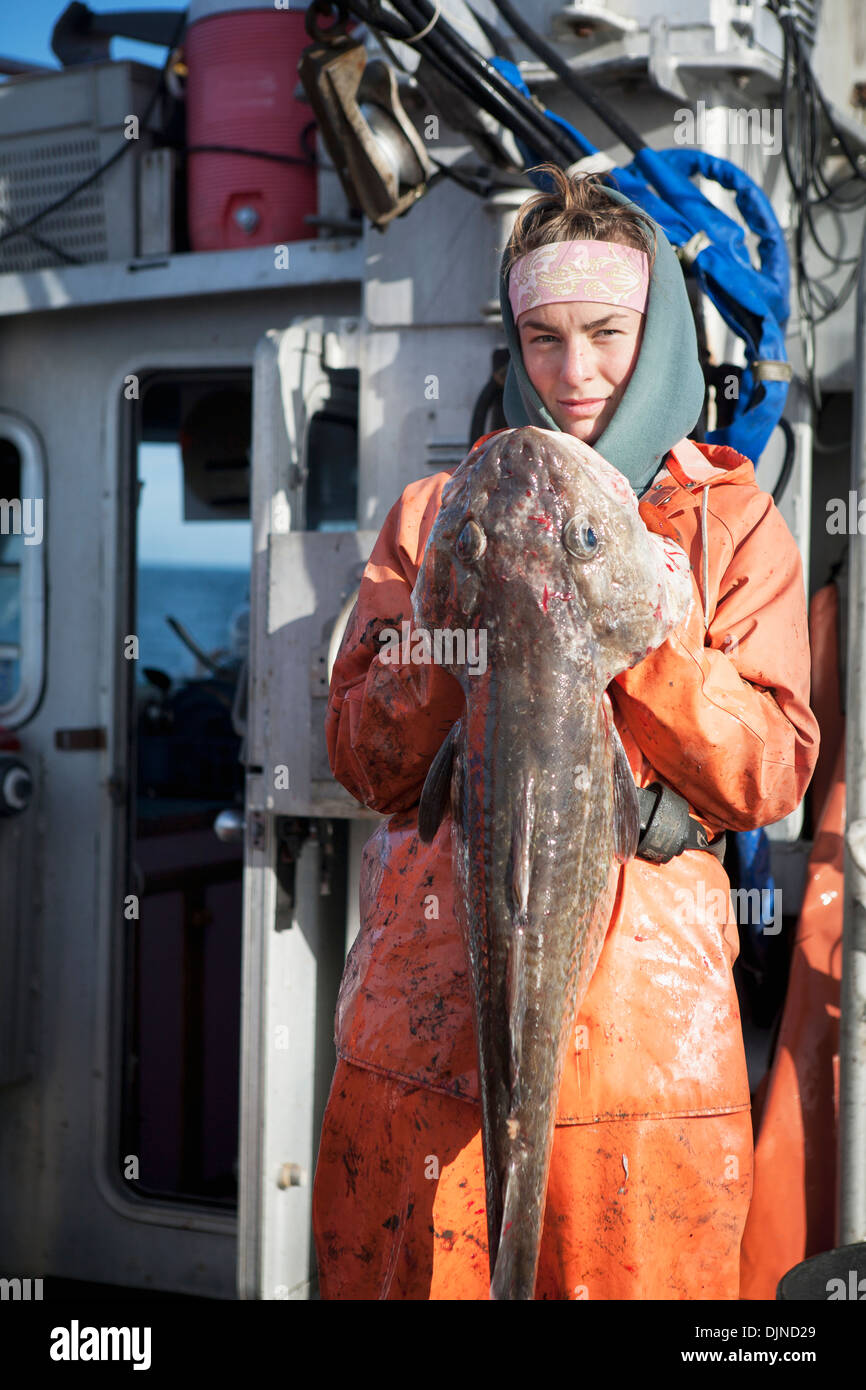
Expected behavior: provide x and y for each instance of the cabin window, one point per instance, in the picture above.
(22, 584)
(331, 493)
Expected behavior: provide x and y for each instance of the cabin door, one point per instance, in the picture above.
(302, 832)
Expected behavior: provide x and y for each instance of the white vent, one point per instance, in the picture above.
(58, 128)
(32, 176)
(446, 453)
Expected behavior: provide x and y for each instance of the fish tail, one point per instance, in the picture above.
(516, 1263)
(515, 1003)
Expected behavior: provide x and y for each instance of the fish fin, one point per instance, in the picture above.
(521, 867)
(515, 986)
(626, 808)
(437, 788)
(521, 849)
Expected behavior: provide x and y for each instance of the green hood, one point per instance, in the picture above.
(665, 396)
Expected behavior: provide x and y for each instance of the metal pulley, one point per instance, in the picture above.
(377, 153)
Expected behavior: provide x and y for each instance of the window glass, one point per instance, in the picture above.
(194, 571)
(11, 557)
(332, 483)
(193, 543)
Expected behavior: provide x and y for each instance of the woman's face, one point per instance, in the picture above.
(579, 357)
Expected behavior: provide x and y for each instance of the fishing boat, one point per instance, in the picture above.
(248, 292)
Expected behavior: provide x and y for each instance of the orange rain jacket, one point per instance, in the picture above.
(793, 1210)
(651, 1173)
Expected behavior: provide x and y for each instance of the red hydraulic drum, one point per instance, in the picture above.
(242, 58)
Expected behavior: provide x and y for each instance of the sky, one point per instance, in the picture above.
(164, 538)
(27, 26)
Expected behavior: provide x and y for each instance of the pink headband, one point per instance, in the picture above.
(603, 272)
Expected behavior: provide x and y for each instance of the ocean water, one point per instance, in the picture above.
(210, 603)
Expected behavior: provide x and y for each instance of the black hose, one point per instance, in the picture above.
(489, 392)
(602, 108)
(450, 43)
(446, 50)
(550, 140)
(788, 461)
(252, 154)
(491, 395)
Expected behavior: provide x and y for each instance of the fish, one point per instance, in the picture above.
(539, 547)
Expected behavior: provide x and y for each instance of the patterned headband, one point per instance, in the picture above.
(603, 272)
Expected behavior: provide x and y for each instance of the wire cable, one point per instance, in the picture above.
(479, 81)
(804, 109)
(451, 49)
(481, 186)
(591, 98)
(58, 251)
(251, 154)
(68, 195)
(492, 77)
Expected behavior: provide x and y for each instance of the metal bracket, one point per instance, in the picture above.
(292, 831)
(377, 153)
(662, 66)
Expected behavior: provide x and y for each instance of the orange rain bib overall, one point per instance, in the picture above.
(793, 1211)
(651, 1173)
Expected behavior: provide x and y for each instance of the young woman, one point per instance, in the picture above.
(651, 1173)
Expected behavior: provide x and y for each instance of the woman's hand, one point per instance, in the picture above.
(723, 713)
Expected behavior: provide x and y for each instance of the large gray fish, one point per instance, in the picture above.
(539, 546)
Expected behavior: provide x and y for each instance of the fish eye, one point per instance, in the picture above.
(471, 543)
(579, 538)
